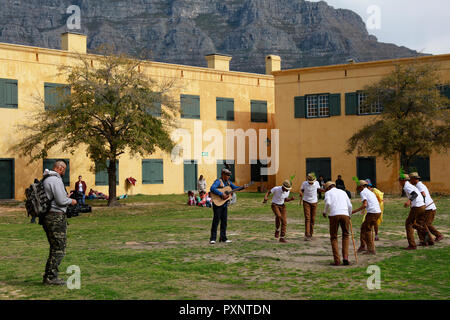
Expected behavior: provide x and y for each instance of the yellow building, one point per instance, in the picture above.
(212, 101)
(317, 111)
(212, 98)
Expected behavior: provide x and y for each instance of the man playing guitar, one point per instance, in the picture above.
(221, 212)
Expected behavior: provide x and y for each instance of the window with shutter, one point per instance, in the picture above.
(190, 106)
(258, 111)
(54, 94)
(351, 103)
(48, 164)
(8, 93)
(318, 106)
(225, 109)
(300, 107)
(101, 176)
(152, 171)
(335, 104)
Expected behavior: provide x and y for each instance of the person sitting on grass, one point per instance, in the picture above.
(191, 199)
(202, 199)
(208, 200)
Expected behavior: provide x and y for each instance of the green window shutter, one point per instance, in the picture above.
(101, 176)
(8, 93)
(54, 93)
(255, 171)
(190, 106)
(48, 164)
(335, 104)
(258, 111)
(2, 93)
(446, 91)
(300, 107)
(351, 103)
(152, 171)
(225, 109)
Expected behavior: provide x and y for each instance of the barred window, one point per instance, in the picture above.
(318, 106)
(374, 108)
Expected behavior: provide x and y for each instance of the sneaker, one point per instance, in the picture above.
(226, 241)
(335, 264)
(423, 244)
(410, 248)
(376, 238)
(54, 282)
(361, 249)
(277, 234)
(283, 240)
(308, 238)
(346, 263)
(439, 238)
(430, 243)
(212, 242)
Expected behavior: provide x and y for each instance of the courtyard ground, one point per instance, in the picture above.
(157, 247)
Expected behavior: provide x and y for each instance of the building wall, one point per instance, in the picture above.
(327, 137)
(33, 66)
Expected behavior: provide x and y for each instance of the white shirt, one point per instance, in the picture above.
(373, 206)
(428, 199)
(201, 185)
(80, 187)
(310, 191)
(279, 195)
(409, 188)
(337, 202)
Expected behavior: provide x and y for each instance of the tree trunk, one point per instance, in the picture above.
(112, 201)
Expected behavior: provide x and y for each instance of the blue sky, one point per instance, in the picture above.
(417, 24)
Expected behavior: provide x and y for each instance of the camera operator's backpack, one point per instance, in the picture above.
(37, 203)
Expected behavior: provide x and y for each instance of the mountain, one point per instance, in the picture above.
(303, 33)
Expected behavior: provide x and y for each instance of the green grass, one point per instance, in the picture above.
(156, 247)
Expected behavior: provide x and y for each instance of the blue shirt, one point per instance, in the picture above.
(216, 185)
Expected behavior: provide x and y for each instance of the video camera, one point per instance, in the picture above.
(75, 210)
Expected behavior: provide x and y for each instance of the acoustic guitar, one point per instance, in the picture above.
(218, 201)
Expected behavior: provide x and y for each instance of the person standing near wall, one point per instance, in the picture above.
(80, 187)
(201, 184)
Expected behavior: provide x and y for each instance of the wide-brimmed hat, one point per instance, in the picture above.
(414, 175)
(287, 184)
(363, 183)
(403, 177)
(226, 171)
(329, 184)
(311, 177)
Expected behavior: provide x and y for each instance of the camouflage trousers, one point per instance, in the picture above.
(55, 226)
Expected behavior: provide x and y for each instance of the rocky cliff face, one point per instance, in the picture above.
(183, 31)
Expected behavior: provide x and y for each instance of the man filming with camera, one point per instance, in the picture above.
(55, 222)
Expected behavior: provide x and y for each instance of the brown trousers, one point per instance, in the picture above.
(416, 220)
(366, 231)
(309, 209)
(430, 218)
(427, 220)
(344, 222)
(280, 218)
